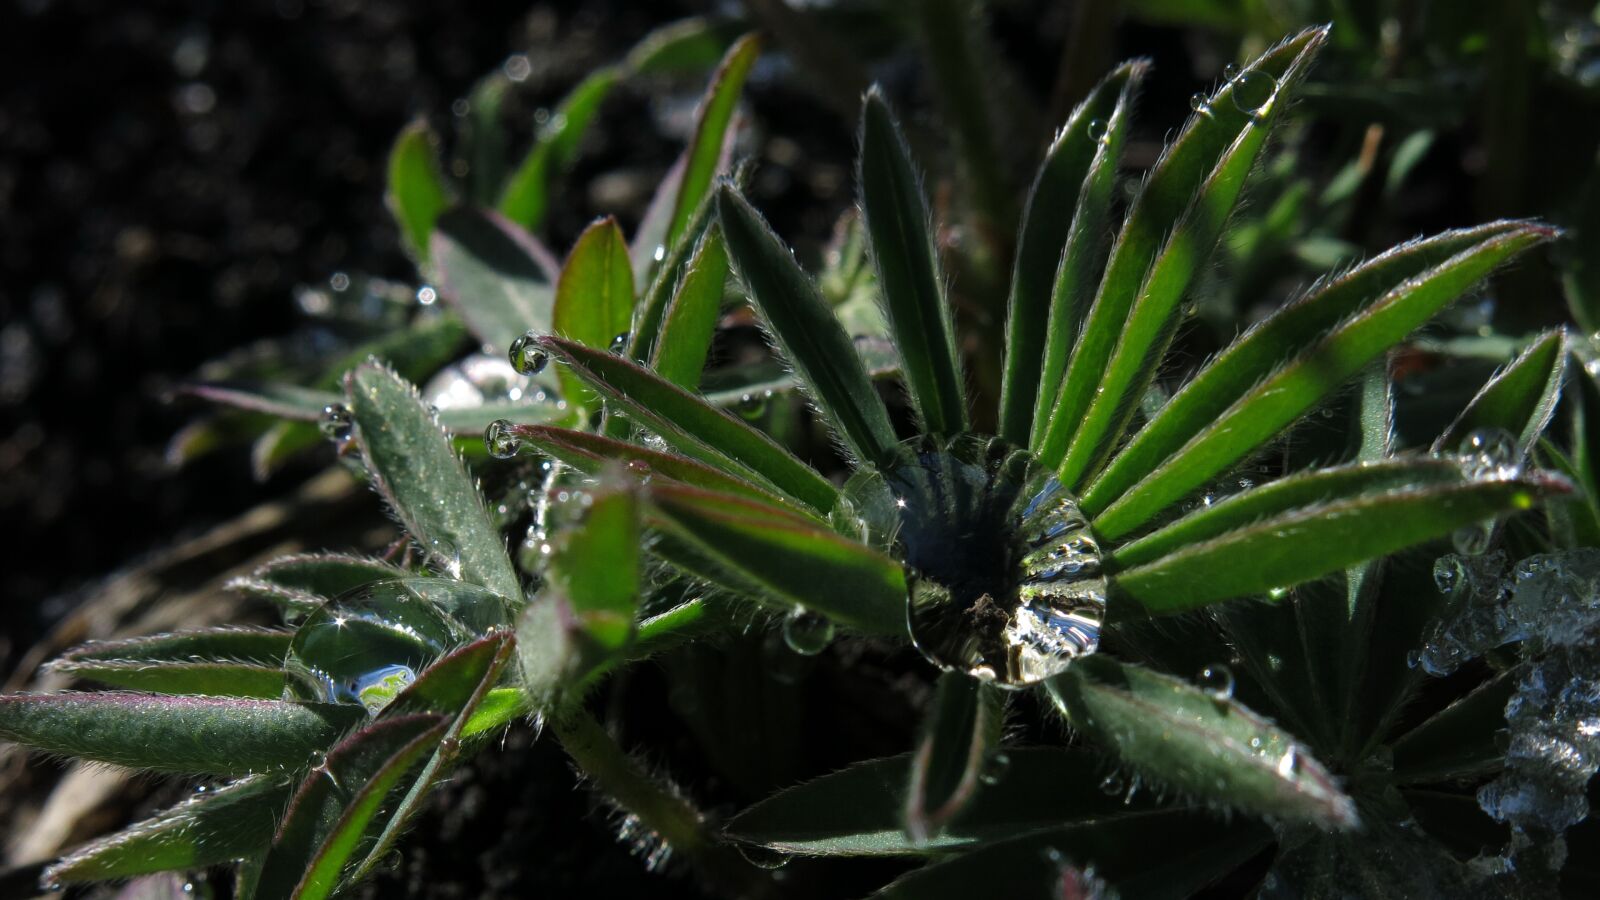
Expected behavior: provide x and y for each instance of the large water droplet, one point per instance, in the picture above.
(1490, 454)
(807, 633)
(337, 424)
(1217, 680)
(501, 440)
(1004, 574)
(526, 356)
(1253, 91)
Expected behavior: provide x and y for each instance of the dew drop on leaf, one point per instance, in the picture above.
(1489, 454)
(1473, 540)
(1097, 131)
(337, 424)
(1253, 91)
(501, 440)
(1230, 71)
(1201, 104)
(619, 343)
(806, 632)
(1217, 680)
(763, 857)
(1004, 575)
(753, 406)
(1112, 785)
(526, 356)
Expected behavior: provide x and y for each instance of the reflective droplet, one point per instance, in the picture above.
(995, 767)
(619, 344)
(501, 439)
(1113, 785)
(526, 356)
(427, 296)
(1474, 539)
(1253, 91)
(1289, 762)
(1490, 454)
(660, 254)
(807, 633)
(445, 557)
(1201, 104)
(753, 406)
(1098, 131)
(1217, 680)
(337, 424)
(1230, 71)
(1004, 574)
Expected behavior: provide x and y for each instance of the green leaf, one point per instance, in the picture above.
(692, 426)
(211, 828)
(500, 707)
(301, 582)
(1519, 399)
(495, 275)
(860, 810)
(652, 309)
(594, 297)
(1463, 740)
(286, 401)
(1284, 496)
(793, 559)
(1199, 743)
(220, 662)
(187, 735)
(411, 463)
(907, 264)
(959, 733)
(590, 453)
(1062, 231)
(416, 193)
(596, 565)
(710, 132)
(1153, 856)
(1283, 369)
(1302, 544)
(811, 338)
(526, 197)
(1166, 239)
(329, 814)
(690, 320)
(690, 45)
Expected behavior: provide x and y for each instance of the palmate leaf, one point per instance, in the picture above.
(806, 330)
(907, 264)
(185, 735)
(219, 662)
(412, 464)
(1281, 370)
(859, 810)
(1167, 236)
(1203, 744)
(789, 558)
(693, 426)
(211, 828)
(1301, 544)
(1068, 206)
(1460, 741)
(496, 276)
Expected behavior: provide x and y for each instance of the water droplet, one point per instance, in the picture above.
(337, 424)
(1253, 91)
(1098, 132)
(1490, 454)
(1217, 680)
(501, 439)
(427, 296)
(1413, 658)
(445, 556)
(619, 344)
(1289, 762)
(526, 356)
(762, 857)
(1201, 104)
(1113, 785)
(1004, 575)
(339, 281)
(753, 406)
(1230, 71)
(995, 767)
(1474, 539)
(807, 633)
(660, 254)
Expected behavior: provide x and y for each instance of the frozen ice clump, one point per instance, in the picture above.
(1476, 620)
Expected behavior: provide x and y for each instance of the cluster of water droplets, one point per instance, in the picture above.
(1004, 575)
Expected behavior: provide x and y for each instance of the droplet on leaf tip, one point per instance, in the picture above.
(526, 356)
(806, 632)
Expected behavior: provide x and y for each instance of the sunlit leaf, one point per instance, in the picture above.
(526, 196)
(416, 192)
(594, 297)
(1518, 400)
(222, 662)
(960, 731)
(495, 275)
(690, 320)
(710, 132)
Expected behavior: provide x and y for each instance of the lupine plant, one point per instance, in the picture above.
(1074, 561)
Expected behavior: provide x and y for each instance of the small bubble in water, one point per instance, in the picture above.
(1217, 680)
(807, 633)
(1201, 104)
(526, 356)
(995, 767)
(337, 424)
(619, 343)
(501, 440)
(753, 406)
(1098, 132)
(1253, 91)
